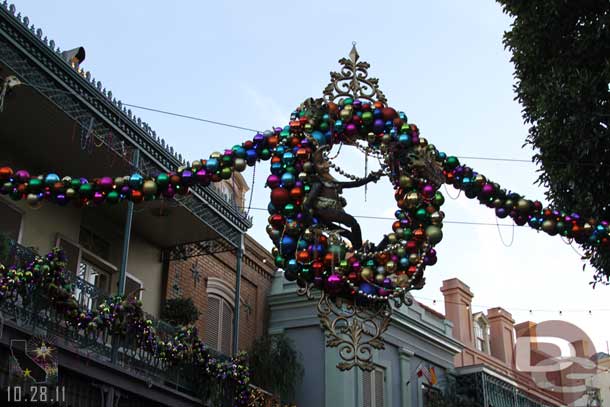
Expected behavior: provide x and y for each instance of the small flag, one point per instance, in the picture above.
(433, 378)
(429, 374)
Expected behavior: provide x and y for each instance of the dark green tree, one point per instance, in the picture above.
(180, 311)
(276, 365)
(561, 53)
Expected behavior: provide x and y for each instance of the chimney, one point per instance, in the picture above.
(501, 335)
(458, 299)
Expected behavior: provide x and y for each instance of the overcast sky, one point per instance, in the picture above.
(252, 63)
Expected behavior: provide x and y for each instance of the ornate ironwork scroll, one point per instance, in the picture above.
(355, 329)
(353, 81)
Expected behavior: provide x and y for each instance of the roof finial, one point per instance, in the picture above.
(353, 54)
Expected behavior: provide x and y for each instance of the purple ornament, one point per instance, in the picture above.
(273, 181)
(22, 176)
(106, 183)
(378, 125)
(186, 177)
(98, 197)
(351, 129)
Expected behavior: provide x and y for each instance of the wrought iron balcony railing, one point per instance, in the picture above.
(36, 316)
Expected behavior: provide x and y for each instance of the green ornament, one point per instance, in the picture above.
(112, 197)
(265, 154)
(434, 234)
(162, 180)
(452, 162)
(279, 261)
(226, 172)
(367, 117)
(421, 214)
(35, 184)
(439, 199)
(86, 190)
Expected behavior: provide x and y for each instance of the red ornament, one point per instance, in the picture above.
(388, 114)
(303, 256)
(296, 193)
(277, 220)
(280, 197)
(6, 173)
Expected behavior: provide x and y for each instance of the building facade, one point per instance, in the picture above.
(485, 368)
(417, 340)
(56, 118)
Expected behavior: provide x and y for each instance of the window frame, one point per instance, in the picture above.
(373, 387)
(218, 289)
(11, 206)
(94, 260)
(137, 280)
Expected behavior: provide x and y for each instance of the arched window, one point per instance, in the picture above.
(481, 333)
(219, 316)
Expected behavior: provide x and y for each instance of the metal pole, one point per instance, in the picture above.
(240, 255)
(127, 235)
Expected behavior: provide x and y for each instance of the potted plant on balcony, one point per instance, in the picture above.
(180, 311)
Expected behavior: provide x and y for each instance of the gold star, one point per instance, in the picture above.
(26, 372)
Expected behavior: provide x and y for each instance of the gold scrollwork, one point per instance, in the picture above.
(353, 81)
(354, 329)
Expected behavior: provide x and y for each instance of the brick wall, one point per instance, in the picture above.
(257, 273)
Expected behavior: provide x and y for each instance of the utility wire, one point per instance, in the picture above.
(456, 222)
(199, 119)
(238, 127)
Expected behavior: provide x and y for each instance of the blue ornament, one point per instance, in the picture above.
(288, 179)
(51, 179)
(271, 209)
(366, 288)
(212, 165)
(404, 139)
(292, 265)
(288, 158)
(136, 181)
(277, 168)
(319, 137)
(251, 156)
(288, 245)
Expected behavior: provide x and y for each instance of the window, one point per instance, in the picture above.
(10, 221)
(373, 388)
(481, 333)
(96, 277)
(133, 286)
(431, 396)
(93, 274)
(219, 324)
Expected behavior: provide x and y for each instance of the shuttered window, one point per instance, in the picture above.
(10, 221)
(373, 388)
(219, 324)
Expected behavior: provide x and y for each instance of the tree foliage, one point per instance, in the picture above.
(276, 365)
(180, 311)
(561, 53)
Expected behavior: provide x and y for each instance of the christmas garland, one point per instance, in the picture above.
(122, 316)
(305, 251)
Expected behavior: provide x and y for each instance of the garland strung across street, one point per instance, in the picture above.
(317, 243)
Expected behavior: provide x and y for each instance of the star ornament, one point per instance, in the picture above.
(44, 352)
(26, 372)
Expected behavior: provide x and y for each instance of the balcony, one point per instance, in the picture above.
(35, 316)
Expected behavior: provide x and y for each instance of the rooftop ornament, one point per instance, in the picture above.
(317, 243)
